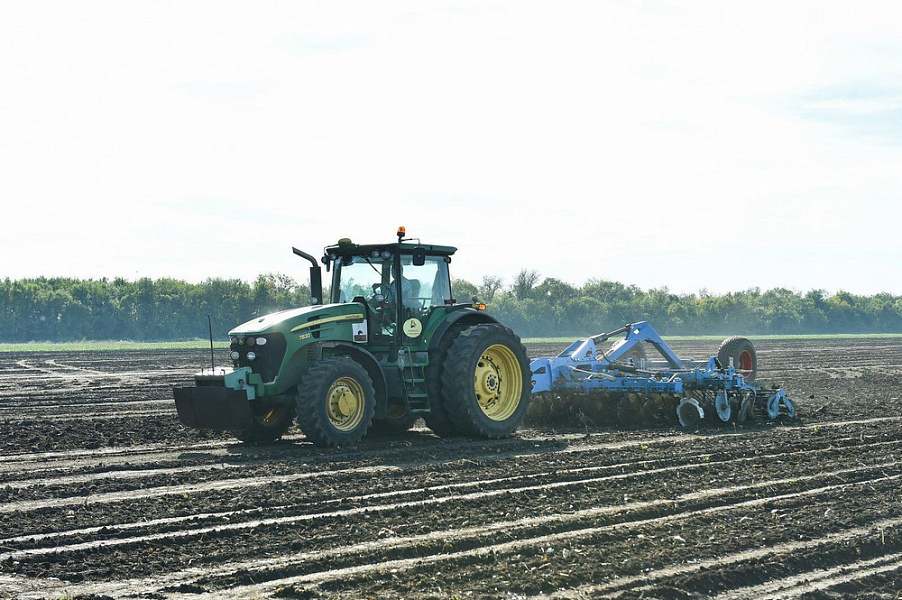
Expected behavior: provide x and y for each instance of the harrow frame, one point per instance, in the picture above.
(692, 386)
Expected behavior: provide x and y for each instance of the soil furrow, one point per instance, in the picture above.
(652, 581)
(480, 496)
(564, 476)
(327, 566)
(640, 467)
(819, 579)
(334, 572)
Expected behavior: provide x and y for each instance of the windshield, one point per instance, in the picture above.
(423, 286)
(374, 281)
(358, 275)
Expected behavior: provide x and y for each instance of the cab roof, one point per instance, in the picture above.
(346, 247)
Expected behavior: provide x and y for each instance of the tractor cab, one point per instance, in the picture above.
(400, 285)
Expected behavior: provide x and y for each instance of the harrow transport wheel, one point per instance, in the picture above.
(486, 381)
(270, 423)
(335, 402)
(437, 418)
(742, 353)
(397, 421)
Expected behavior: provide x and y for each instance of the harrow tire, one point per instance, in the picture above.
(270, 424)
(486, 384)
(335, 402)
(742, 352)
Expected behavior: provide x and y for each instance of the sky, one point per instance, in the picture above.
(699, 146)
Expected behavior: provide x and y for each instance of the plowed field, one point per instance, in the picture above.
(104, 494)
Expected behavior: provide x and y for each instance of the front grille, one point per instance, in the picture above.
(269, 356)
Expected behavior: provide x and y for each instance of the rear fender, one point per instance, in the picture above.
(462, 318)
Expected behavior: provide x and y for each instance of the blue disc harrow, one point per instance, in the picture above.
(622, 385)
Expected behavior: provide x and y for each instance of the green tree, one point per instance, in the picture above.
(463, 290)
(523, 284)
(490, 286)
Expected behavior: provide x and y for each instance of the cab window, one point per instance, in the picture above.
(425, 286)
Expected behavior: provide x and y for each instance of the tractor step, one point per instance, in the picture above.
(413, 380)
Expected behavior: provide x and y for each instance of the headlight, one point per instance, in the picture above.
(251, 355)
(234, 355)
(261, 341)
(233, 339)
(248, 341)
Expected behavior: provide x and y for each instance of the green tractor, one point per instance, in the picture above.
(393, 345)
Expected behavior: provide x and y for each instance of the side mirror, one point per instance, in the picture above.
(419, 256)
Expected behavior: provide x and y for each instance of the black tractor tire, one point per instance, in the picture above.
(335, 402)
(396, 421)
(270, 423)
(437, 419)
(486, 383)
(742, 353)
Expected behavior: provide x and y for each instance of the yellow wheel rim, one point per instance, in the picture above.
(498, 382)
(344, 403)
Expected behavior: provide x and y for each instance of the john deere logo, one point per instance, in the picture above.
(413, 328)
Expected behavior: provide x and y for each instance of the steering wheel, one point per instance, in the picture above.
(381, 289)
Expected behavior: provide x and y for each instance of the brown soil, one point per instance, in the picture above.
(104, 495)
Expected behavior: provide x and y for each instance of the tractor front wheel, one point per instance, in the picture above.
(335, 402)
(486, 381)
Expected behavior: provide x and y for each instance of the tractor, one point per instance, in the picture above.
(392, 345)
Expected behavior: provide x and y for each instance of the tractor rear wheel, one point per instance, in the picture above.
(270, 423)
(486, 381)
(335, 402)
(742, 353)
(437, 419)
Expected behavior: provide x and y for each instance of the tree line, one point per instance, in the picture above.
(64, 309)
(67, 309)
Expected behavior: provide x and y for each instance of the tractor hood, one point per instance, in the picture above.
(300, 319)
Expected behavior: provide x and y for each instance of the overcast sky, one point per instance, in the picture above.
(695, 145)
